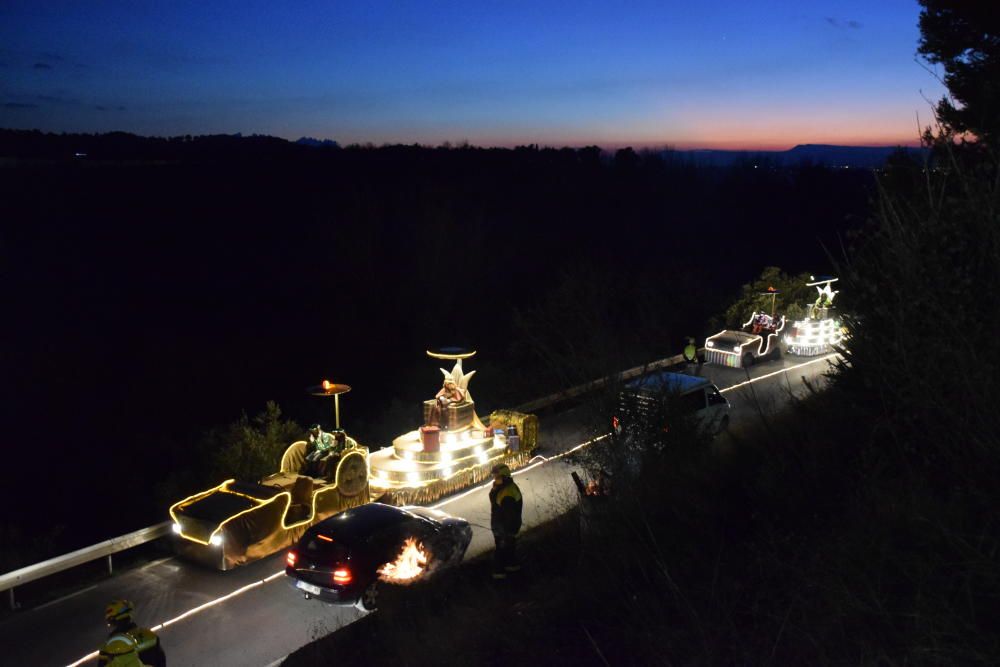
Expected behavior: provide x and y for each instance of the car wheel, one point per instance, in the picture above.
(747, 361)
(369, 597)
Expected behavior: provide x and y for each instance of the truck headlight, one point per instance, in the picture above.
(176, 528)
(709, 343)
(216, 540)
(736, 348)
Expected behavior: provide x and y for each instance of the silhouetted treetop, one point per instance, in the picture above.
(963, 36)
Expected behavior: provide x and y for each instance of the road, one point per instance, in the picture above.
(249, 616)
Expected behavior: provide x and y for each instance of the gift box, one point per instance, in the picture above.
(430, 438)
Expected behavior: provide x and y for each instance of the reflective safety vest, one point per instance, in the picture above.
(119, 650)
(505, 507)
(690, 352)
(147, 645)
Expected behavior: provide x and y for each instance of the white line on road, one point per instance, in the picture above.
(778, 372)
(543, 460)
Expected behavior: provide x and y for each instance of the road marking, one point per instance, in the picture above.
(530, 466)
(195, 610)
(778, 372)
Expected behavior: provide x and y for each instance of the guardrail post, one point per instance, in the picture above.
(10, 598)
(111, 569)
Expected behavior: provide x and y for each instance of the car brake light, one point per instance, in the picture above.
(291, 558)
(615, 423)
(342, 575)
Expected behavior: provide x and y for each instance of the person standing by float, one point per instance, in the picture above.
(506, 503)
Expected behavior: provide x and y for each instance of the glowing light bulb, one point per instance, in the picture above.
(483, 458)
(412, 477)
(445, 457)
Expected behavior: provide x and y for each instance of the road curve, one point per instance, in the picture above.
(249, 616)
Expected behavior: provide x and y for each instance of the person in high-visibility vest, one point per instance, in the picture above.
(691, 355)
(119, 650)
(506, 503)
(147, 648)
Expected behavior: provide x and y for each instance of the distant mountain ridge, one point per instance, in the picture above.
(858, 157)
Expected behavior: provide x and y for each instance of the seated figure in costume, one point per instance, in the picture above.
(449, 394)
(323, 449)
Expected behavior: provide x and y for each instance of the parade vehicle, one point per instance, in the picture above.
(648, 403)
(758, 340)
(822, 330)
(238, 522)
(454, 448)
(344, 559)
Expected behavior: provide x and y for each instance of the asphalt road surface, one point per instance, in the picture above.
(250, 616)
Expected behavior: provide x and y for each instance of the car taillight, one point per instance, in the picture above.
(615, 423)
(291, 558)
(342, 576)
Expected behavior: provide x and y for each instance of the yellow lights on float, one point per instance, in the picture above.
(215, 538)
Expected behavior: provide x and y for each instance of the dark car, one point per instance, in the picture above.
(338, 560)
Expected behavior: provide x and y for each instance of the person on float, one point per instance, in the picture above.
(448, 395)
(145, 644)
(506, 504)
(320, 444)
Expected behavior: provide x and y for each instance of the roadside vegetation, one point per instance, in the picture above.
(861, 526)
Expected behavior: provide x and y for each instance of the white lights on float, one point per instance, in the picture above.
(450, 439)
(483, 458)
(448, 472)
(412, 477)
(445, 457)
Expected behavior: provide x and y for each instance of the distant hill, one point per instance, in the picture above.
(857, 157)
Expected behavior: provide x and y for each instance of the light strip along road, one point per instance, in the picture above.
(249, 616)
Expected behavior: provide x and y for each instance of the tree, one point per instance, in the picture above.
(963, 36)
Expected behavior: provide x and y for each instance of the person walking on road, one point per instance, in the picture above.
(505, 521)
(128, 645)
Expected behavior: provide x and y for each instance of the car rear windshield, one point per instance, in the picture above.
(326, 549)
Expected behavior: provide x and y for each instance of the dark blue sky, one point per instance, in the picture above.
(727, 73)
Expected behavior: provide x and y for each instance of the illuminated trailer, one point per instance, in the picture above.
(454, 448)
(759, 339)
(822, 330)
(238, 522)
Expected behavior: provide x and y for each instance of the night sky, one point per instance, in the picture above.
(730, 74)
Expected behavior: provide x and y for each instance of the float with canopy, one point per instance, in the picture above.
(454, 448)
(239, 521)
(821, 330)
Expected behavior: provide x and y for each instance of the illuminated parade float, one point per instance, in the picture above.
(238, 522)
(454, 448)
(821, 330)
(758, 340)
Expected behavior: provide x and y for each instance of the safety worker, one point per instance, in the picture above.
(119, 650)
(146, 645)
(505, 521)
(691, 355)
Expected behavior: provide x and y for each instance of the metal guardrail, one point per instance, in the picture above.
(105, 549)
(573, 392)
(108, 548)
